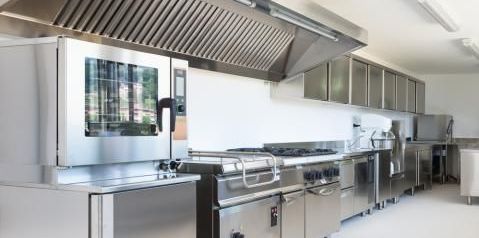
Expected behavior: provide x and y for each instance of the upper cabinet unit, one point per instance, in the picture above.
(316, 83)
(401, 93)
(357, 81)
(339, 80)
(375, 87)
(389, 91)
(359, 84)
(411, 96)
(420, 98)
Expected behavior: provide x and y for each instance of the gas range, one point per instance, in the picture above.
(291, 156)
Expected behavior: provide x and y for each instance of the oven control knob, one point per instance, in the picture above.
(318, 175)
(174, 165)
(309, 176)
(237, 235)
(181, 108)
(164, 166)
(336, 172)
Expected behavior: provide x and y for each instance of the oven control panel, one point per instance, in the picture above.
(321, 174)
(179, 76)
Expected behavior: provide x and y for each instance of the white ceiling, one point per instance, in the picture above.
(403, 33)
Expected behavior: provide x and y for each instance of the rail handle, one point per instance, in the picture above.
(237, 156)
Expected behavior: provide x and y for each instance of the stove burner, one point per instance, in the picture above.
(289, 152)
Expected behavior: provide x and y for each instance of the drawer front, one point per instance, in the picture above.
(347, 203)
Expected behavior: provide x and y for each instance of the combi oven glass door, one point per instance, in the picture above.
(108, 104)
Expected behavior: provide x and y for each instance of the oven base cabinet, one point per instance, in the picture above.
(292, 215)
(255, 219)
(322, 210)
(166, 212)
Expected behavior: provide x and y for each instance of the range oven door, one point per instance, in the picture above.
(250, 220)
(108, 104)
(323, 210)
(292, 215)
(166, 212)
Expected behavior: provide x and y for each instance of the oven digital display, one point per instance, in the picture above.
(180, 86)
(120, 99)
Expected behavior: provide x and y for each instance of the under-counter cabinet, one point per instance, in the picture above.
(389, 91)
(418, 166)
(359, 83)
(420, 98)
(316, 83)
(141, 213)
(411, 96)
(375, 87)
(339, 80)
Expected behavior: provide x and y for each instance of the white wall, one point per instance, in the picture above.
(227, 111)
(456, 95)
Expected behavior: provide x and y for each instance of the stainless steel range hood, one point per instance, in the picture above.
(267, 39)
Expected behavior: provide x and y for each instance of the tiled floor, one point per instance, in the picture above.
(436, 213)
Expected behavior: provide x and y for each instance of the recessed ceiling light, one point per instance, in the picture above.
(472, 46)
(440, 14)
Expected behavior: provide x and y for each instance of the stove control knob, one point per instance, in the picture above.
(174, 165)
(318, 175)
(336, 172)
(164, 166)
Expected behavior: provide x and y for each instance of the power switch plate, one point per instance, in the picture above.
(274, 216)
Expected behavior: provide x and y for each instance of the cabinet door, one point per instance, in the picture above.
(322, 211)
(401, 93)
(410, 167)
(389, 91)
(292, 211)
(375, 91)
(339, 80)
(420, 98)
(361, 185)
(411, 96)
(425, 167)
(359, 83)
(316, 83)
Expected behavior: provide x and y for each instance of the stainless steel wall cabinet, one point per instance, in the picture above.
(411, 96)
(359, 83)
(375, 87)
(401, 93)
(420, 98)
(339, 80)
(389, 91)
(316, 83)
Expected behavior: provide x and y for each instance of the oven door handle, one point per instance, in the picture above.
(171, 104)
(274, 173)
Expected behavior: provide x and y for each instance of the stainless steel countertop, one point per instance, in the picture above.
(360, 152)
(114, 185)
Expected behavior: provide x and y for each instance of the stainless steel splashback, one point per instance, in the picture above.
(433, 127)
(264, 39)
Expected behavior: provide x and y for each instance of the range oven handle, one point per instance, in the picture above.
(323, 191)
(167, 103)
(237, 156)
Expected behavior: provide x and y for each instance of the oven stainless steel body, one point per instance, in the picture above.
(81, 137)
(303, 200)
(234, 204)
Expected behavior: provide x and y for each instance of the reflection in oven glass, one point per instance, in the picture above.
(120, 99)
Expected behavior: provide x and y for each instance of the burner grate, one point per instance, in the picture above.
(287, 152)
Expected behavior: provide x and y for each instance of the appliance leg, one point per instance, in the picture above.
(395, 200)
(384, 204)
(469, 200)
(363, 214)
(412, 191)
(370, 211)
